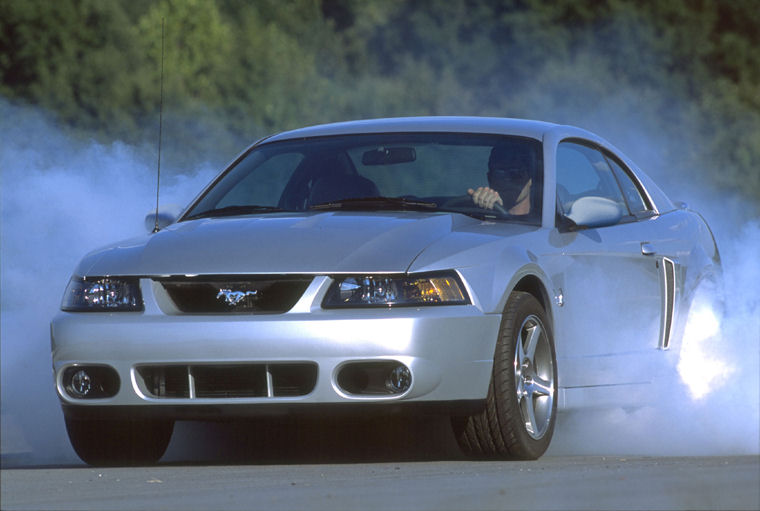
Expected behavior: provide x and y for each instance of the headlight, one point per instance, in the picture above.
(102, 294)
(395, 290)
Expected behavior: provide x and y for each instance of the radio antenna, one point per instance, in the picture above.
(156, 228)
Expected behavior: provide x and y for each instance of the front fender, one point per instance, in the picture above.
(491, 285)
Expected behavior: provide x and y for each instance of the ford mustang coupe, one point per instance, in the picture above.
(492, 270)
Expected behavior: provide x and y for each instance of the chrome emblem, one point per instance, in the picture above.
(233, 298)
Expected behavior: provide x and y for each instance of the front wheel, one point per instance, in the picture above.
(521, 406)
(119, 442)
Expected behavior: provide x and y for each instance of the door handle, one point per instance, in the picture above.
(647, 249)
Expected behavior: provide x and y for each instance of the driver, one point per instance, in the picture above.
(509, 180)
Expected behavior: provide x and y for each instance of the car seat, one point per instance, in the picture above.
(339, 187)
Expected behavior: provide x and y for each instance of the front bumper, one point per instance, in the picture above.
(448, 350)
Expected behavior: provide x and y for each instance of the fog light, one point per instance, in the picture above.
(90, 382)
(374, 378)
(81, 383)
(399, 379)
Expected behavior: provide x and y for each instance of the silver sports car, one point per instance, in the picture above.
(492, 270)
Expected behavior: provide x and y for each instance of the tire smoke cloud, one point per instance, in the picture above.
(62, 197)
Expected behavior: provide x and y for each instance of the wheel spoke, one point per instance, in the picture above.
(520, 353)
(541, 387)
(534, 334)
(518, 372)
(529, 414)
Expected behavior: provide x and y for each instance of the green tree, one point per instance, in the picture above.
(685, 70)
(77, 58)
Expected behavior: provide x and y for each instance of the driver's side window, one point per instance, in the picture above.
(583, 174)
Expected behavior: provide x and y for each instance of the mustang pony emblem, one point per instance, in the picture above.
(232, 298)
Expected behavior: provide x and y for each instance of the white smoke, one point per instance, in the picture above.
(61, 198)
(700, 365)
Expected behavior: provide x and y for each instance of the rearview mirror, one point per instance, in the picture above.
(389, 156)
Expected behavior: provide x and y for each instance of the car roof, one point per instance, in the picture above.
(489, 125)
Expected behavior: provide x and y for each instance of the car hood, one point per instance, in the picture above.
(313, 243)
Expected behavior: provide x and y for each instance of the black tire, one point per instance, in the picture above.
(119, 442)
(521, 405)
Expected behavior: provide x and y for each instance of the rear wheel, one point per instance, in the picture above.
(521, 406)
(119, 442)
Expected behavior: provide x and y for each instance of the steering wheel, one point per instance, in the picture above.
(466, 201)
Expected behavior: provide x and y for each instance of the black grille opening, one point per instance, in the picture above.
(212, 295)
(166, 381)
(293, 379)
(230, 381)
(210, 381)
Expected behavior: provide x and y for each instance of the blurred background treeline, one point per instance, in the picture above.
(674, 83)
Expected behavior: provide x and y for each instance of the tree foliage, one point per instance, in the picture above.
(685, 70)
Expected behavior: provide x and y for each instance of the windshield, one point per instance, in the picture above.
(399, 171)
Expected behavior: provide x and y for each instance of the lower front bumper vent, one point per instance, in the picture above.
(219, 381)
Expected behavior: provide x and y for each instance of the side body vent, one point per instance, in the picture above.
(668, 290)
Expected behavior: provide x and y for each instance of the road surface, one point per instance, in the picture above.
(550, 483)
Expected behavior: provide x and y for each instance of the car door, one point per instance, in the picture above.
(608, 274)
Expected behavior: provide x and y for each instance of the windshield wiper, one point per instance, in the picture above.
(370, 203)
(232, 211)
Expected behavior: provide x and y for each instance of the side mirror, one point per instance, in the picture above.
(590, 212)
(166, 216)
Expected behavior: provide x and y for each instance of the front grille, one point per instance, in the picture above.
(214, 295)
(229, 381)
(218, 381)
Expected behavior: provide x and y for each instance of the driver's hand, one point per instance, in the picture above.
(485, 197)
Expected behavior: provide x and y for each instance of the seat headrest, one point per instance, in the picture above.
(333, 188)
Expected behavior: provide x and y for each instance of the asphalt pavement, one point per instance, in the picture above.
(549, 483)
